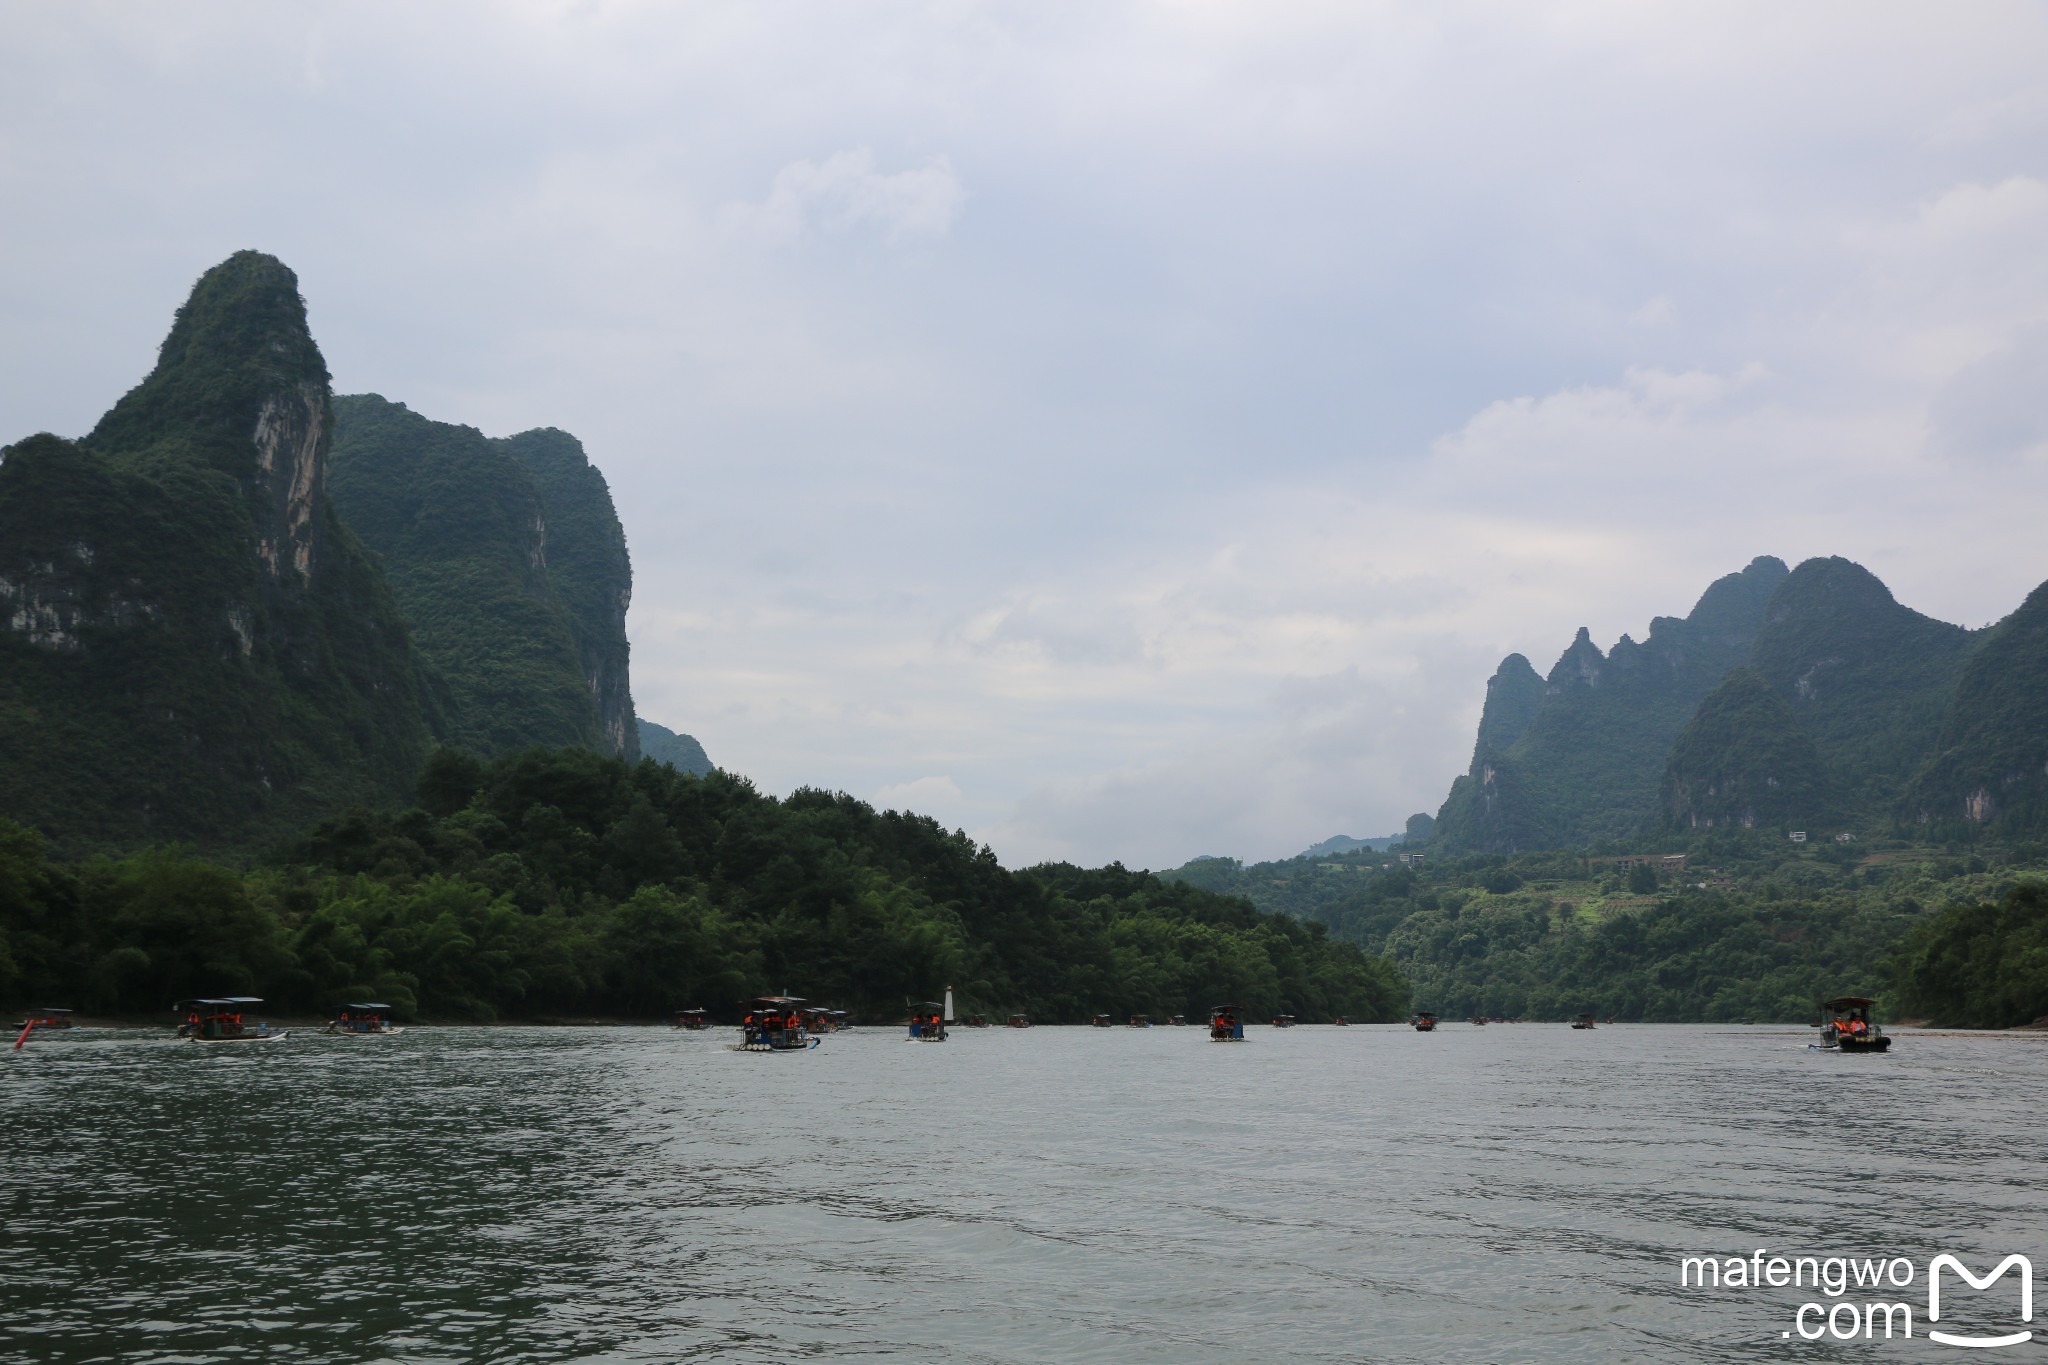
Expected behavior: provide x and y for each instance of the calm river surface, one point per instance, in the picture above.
(1508, 1193)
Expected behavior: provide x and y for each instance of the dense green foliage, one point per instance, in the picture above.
(1869, 679)
(1753, 927)
(560, 882)
(461, 533)
(191, 644)
(1992, 761)
(1743, 761)
(680, 752)
(588, 565)
(1982, 964)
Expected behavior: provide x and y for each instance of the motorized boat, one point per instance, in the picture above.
(825, 1021)
(1283, 1021)
(1101, 1021)
(1341, 1022)
(1424, 1022)
(928, 1022)
(364, 1021)
(1226, 1024)
(1179, 1021)
(46, 1020)
(224, 1019)
(774, 1023)
(1849, 1027)
(692, 1019)
(1020, 1021)
(1140, 1021)
(975, 1021)
(1583, 1021)
(1479, 1021)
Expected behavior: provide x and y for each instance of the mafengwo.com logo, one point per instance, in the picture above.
(1875, 1299)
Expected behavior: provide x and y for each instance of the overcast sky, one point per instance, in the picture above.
(1119, 430)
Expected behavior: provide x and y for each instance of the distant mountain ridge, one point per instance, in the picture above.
(1788, 697)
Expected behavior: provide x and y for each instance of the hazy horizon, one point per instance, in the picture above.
(1123, 431)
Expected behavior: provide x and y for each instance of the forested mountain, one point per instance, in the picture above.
(1744, 761)
(242, 604)
(1583, 757)
(1867, 678)
(1991, 764)
(564, 882)
(192, 643)
(680, 752)
(1874, 714)
(509, 564)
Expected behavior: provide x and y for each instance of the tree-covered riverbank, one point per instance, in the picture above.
(562, 883)
(1735, 925)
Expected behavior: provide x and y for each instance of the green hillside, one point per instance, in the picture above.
(567, 883)
(1991, 762)
(680, 752)
(473, 552)
(1869, 679)
(1743, 762)
(193, 646)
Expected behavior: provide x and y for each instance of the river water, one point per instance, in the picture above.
(1508, 1193)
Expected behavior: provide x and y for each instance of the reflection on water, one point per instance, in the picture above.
(1509, 1193)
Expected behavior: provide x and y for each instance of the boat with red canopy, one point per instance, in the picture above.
(224, 1019)
(364, 1021)
(1226, 1024)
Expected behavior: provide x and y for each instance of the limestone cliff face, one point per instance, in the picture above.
(178, 579)
(589, 564)
(291, 464)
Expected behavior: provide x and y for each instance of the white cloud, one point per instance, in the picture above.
(845, 193)
(1294, 365)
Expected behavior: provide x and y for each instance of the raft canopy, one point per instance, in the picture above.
(774, 1001)
(230, 1000)
(380, 1009)
(1847, 1002)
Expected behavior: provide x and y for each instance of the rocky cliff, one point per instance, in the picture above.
(192, 644)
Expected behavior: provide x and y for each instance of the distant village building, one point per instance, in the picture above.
(1845, 838)
(1665, 864)
(1412, 859)
(1798, 836)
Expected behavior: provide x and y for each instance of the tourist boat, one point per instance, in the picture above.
(221, 1020)
(826, 1021)
(1849, 1027)
(773, 1023)
(363, 1021)
(1424, 1022)
(1020, 1021)
(1226, 1024)
(1180, 1020)
(693, 1020)
(975, 1021)
(1140, 1021)
(1583, 1021)
(1101, 1021)
(928, 1022)
(47, 1020)
(1341, 1022)
(1283, 1021)
(1479, 1021)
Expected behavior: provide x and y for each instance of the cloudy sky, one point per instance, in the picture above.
(1119, 430)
